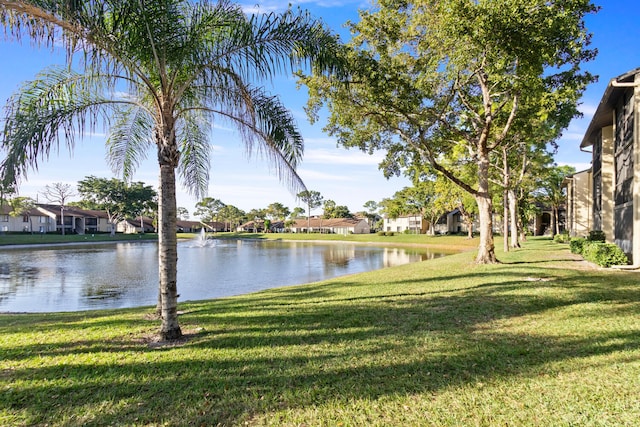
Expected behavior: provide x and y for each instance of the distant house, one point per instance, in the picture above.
(451, 222)
(415, 224)
(614, 140)
(136, 225)
(185, 226)
(258, 227)
(331, 226)
(251, 227)
(76, 220)
(25, 222)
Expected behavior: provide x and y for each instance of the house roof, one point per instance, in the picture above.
(327, 223)
(603, 116)
(136, 221)
(72, 211)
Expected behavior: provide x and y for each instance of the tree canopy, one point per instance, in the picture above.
(446, 83)
(117, 198)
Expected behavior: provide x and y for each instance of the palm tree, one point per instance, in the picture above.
(181, 65)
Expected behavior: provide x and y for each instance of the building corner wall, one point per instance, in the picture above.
(636, 174)
(608, 183)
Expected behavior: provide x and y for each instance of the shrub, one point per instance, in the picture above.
(604, 254)
(562, 238)
(576, 244)
(596, 236)
(381, 233)
(389, 233)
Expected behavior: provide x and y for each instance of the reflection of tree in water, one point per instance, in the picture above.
(339, 256)
(14, 277)
(399, 256)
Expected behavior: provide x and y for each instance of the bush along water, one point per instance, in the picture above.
(594, 249)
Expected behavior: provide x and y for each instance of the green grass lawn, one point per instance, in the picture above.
(543, 339)
(459, 242)
(7, 239)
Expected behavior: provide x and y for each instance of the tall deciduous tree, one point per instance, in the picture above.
(182, 213)
(313, 199)
(231, 215)
(208, 209)
(432, 78)
(297, 212)
(117, 198)
(277, 211)
(183, 64)
(58, 193)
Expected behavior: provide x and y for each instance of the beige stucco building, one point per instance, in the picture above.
(332, 225)
(579, 220)
(415, 224)
(613, 136)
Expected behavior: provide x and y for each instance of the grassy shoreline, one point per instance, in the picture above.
(541, 339)
(11, 240)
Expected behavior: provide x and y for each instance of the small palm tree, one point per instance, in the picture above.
(157, 74)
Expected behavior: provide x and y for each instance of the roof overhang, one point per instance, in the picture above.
(603, 116)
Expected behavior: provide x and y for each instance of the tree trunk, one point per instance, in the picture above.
(513, 217)
(553, 221)
(168, 254)
(486, 249)
(505, 220)
(62, 220)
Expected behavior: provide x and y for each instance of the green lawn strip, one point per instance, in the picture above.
(453, 243)
(541, 339)
(9, 239)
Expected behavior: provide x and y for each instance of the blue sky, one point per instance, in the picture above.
(348, 177)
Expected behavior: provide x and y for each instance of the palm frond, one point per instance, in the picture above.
(59, 105)
(193, 140)
(259, 47)
(270, 130)
(129, 140)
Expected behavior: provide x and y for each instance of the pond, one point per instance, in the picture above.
(73, 278)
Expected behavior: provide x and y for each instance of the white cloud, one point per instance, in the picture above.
(588, 109)
(341, 157)
(308, 174)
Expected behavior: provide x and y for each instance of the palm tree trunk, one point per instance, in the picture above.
(168, 254)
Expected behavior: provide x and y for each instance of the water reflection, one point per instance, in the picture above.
(125, 274)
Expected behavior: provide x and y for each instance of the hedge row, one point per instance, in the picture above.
(598, 252)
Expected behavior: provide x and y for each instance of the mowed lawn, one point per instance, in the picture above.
(543, 339)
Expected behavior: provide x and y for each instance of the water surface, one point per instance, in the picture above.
(72, 278)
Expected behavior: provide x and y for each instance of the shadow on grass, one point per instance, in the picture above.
(300, 347)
